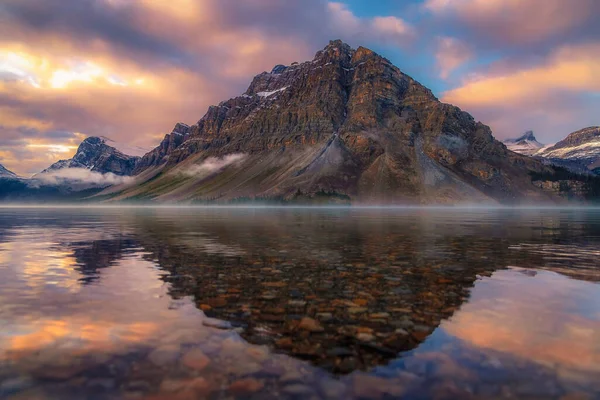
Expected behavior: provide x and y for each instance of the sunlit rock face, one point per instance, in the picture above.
(581, 147)
(97, 156)
(346, 125)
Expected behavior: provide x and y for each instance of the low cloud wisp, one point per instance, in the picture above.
(214, 164)
(79, 177)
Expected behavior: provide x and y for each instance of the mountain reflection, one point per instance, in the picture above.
(346, 290)
(98, 254)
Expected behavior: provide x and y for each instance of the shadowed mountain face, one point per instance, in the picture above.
(347, 124)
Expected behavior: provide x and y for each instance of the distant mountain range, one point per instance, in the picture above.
(347, 126)
(578, 152)
(581, 147)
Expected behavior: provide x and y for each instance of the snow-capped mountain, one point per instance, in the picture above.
(527, 144)
(5, 173)
(95, 155)
(582, 146)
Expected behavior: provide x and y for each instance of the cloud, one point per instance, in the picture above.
(388, 29)
(451, 53)
(213, 164)
(518, 23)
(78, 177)
(557, 95)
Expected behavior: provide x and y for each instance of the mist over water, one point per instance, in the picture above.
(267, 302)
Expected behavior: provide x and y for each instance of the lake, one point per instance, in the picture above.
(299, 303)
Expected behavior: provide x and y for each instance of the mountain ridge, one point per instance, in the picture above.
(581, 147)
(345, 127)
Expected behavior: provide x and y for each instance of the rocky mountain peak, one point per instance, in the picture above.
(181, 128)
(94, 154)
(528, 135)
(525, 144)
(170, 143)
(335, 51)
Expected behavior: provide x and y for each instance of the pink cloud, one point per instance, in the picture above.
(517, 21)
(451, 53)
(552, 97)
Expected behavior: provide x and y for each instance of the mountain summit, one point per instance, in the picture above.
(526, 144)
(97, 156)
(347, 125)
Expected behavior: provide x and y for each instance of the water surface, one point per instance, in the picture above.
(166, 303)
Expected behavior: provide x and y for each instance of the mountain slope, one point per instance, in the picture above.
(159, 155)
(95, 155)
(527, 144)
(7, 174)
(582, 147)
(346, 125)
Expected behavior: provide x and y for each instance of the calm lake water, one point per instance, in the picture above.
(190, 303)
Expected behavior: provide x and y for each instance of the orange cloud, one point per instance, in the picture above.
(511, 98)
(568, 69)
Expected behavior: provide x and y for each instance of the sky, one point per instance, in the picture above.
(130, 69)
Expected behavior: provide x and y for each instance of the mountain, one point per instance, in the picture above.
(95, 166)
(581, 147)
(95, 155)
(161, 153)
(527, 144)
(345, 126)
(6, 174)
(18, 190)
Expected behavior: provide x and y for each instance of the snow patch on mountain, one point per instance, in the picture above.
(271, 93)
(585, 150)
